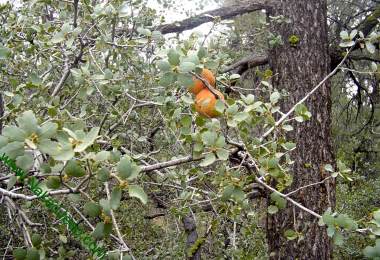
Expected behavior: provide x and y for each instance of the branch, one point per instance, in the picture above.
(285, 116)
(226, 12)
(287, 198)
(75, 22)
(171, 163)
(23, 215)
(309, 185)
(246, 63)
(116, 226)
(211, 88)
(67, 69)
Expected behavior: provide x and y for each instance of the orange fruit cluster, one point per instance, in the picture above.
(205, 100)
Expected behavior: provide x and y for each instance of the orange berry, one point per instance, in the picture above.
(198, 84)
(205, 103)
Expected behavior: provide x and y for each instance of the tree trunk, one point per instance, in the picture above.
(298, 69)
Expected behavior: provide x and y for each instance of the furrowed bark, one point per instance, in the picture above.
(298, 69)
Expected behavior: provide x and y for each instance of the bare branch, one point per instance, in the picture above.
(309, 185)
(125, 246)
(285, 116)
(171, 163)
(247, 63)
(226, 12)
(23, 215)
(287, 198)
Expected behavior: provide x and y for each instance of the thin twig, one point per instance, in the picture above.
(285, 116)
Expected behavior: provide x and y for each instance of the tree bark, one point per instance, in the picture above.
(298, 69)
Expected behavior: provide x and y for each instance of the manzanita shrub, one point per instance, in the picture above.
(97, 108)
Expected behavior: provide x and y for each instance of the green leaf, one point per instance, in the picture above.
(3, 141)
(36, 240)
(64, 154)
(232, 110)
(220, 142)
(344, 35)
(115, 198)
(192, 58)
(92, 209)
(53, 182)
(238, 194)
(202, 52)
(102, 156)
(344, 221)
(328, 219)
(103, 174)
(74, 169)
(227, 192)
(99, 231)
(128, 169)
(222, 154)
(32, 254)
(144, 31)
(19, 253)
(11, 182)
(48, 130)
(58, 37)
(329, 168)
(14, 133)
(274, 97)
(164, 65)
(208, 160)
(280, 201)
(338, 238)
(105, 204)
(290, 234)
(13, 149)
(4, 53)
(138, 192)
(186, 67)
(288, 146)
(28, 122)
(209, 138)
(272, 209)
(63, 239)
(376, 215)
(331, 231)
(219, 106)
(185, 79)
(241, 116)
(373, 252)
(347, 44)
(371, 48)
(250, 99)
(173, 56)
(25, 162)
(167, 79)
(300, 109)
(88, 140)
(187, 99)
(287, 128)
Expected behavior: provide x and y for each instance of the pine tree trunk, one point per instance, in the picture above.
(298, 69)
